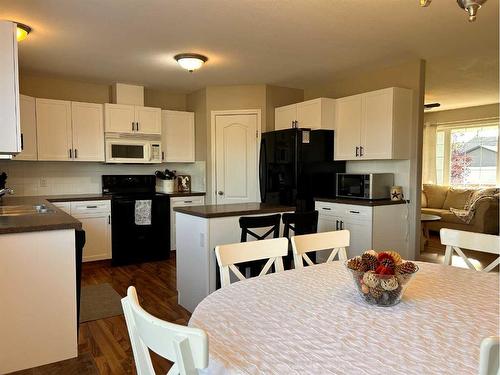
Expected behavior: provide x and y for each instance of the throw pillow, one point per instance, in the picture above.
(423, 202)
(436, 195)
(457, 198)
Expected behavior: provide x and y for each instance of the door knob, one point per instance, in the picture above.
(220, 192)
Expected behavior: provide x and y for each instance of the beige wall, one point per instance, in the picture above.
(408, 75)
(462, 114)
(51, 87)
(197, 103)
(277, 96)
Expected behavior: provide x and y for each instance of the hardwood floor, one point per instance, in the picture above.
(103, 345)
(434, 253)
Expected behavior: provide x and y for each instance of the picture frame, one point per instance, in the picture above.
(183, 183)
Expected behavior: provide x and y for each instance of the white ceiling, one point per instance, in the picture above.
(291, 43)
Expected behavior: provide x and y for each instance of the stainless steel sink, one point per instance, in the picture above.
(24, 210)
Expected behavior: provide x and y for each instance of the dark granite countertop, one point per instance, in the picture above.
(361, 202)
(182, 194)
(56, 219)
(225, 210)
(77, 197)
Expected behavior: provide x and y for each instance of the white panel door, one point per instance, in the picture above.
(376, 128)
(285, 116)
(309, 114)
(53, 129)
(28, 128)
(236, 158)
(348, 127)
(10, 139)
(88, 131)
(177, 134)
(97, 237)
(119, 118)
(148, 120)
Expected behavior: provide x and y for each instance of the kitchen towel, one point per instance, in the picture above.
(143, 212)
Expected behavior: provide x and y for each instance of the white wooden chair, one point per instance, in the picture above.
(456, 240)
(230, 255)
(337, 241)
(187, 347)
(489, 356)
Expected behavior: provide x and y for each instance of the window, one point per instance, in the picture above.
(467, 155)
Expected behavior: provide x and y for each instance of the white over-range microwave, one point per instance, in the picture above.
(130, 150)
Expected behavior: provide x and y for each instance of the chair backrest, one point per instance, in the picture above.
(230, 255)
(300, 223)
(187, 347)
(337, 241)
(489, 356)
(253, 222)
(456, 240)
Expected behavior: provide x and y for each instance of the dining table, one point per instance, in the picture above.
(313, 321)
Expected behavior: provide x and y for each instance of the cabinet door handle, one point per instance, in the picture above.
(326, 208)
(163, 155)
(336, 225)
(137, 126)
(70, 153)
(109, 219)
(22, 142)
(357, 151)
(354, 212)
(91, 206)
(188, 201)
(76, 153)
(361, 153)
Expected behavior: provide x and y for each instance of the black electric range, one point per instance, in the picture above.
(140, 219)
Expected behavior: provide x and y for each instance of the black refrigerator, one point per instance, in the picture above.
(296, 165)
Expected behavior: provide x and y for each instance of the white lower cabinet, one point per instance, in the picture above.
(371, 227)
(95, 217)
(181, 202)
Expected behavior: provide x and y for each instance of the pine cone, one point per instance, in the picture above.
(375, 293)
(389, 263)
(395, 255)
(370, 260)
(406, 268)
(354, 263)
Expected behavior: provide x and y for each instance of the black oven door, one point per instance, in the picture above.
(351, 185)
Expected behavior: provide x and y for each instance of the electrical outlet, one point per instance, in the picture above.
(43, 182)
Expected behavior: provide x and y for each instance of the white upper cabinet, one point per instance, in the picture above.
(313, 114)
(53, 127)
(28, 128)
(374, 125)
(147, 120)
(88, 131)
(124, 118)
(348, 127)
(10, 139)
(316, 113)
(285, 117)
(119, 118)
(177, 136)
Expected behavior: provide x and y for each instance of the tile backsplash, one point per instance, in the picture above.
(29, 178)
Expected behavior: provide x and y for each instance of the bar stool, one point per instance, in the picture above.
(255, 222)
(299, 223)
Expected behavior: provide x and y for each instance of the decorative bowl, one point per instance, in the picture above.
(382, 289)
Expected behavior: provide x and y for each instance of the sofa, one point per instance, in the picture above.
(438, 200)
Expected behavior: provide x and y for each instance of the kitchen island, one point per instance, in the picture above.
(199, 229)
(38, 321)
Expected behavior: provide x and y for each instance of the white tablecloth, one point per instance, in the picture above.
(312, 321)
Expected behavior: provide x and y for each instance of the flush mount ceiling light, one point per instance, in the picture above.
(22, 31)
(190, 61)
(470, 6)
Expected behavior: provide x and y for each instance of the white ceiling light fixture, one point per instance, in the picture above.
(190, 61)
(470, 6)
